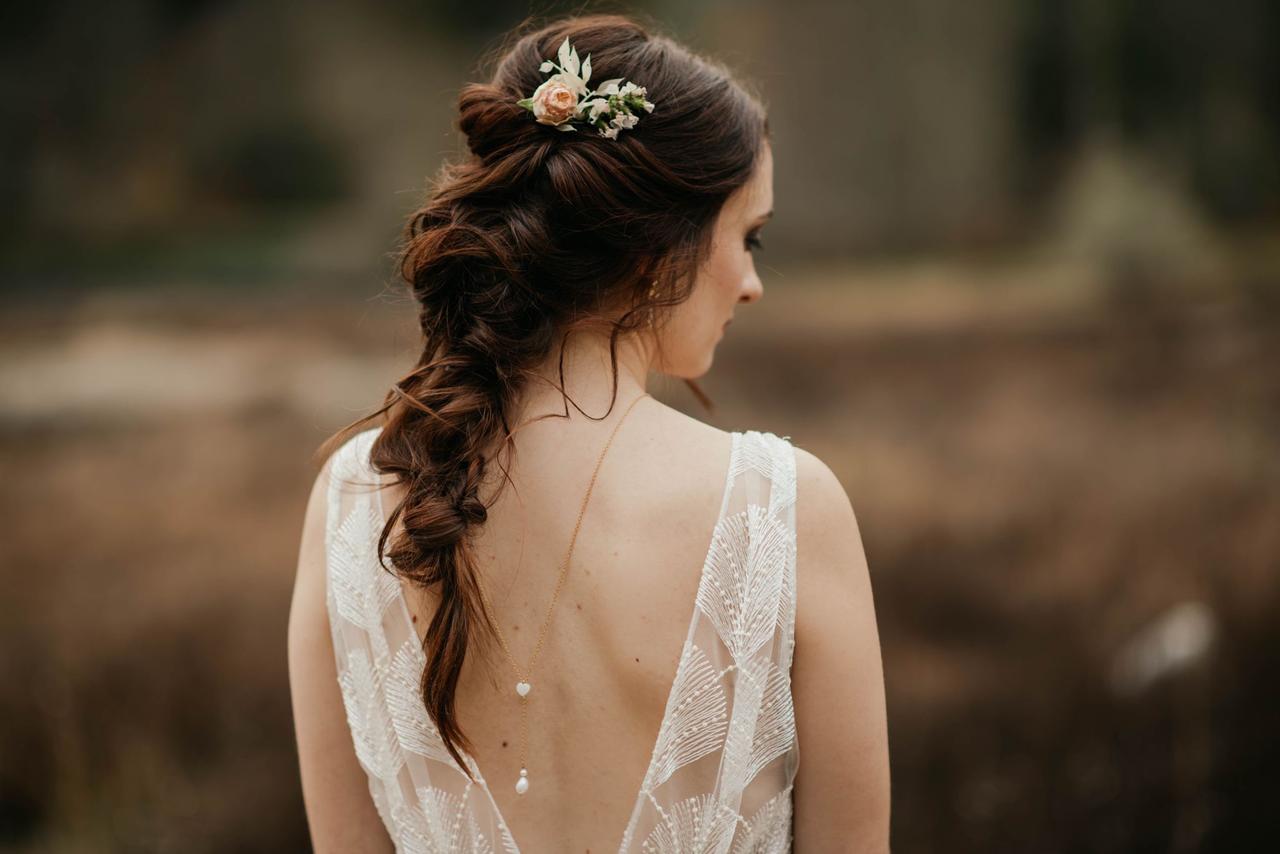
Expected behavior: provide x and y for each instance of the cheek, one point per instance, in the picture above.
(705, 311)
(727, 271)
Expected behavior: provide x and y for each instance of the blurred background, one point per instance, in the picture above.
(1022, 294)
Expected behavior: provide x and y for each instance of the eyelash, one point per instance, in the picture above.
(753, 241)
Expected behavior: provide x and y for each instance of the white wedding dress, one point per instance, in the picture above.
(721, 773)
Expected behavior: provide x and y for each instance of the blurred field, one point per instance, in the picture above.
(1043, 467)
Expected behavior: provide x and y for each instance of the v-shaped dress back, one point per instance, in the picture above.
(721, 773)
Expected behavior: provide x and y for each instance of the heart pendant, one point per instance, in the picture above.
(523, 688)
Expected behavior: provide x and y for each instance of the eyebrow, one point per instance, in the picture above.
(764, 217)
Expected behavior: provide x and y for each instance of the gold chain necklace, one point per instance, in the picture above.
(523, 685)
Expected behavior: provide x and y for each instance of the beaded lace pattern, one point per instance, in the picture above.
(721, 773)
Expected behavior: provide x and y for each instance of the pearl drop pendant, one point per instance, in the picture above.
(523, 688)
(522, 785)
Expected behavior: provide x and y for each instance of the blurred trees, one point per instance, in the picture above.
(902, 125)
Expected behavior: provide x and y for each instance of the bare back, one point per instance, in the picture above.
(627, 693)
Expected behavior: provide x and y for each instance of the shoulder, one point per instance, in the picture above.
(825, 501)
(669, 421)
(353, 453)
(334, 785)
(842, 788)
(830, 554)
(680, 445)
(348, 465)
(829, 542)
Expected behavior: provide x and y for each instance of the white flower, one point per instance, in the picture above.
(624, 120)
(609, 87)
(594, 107)
(564, 96)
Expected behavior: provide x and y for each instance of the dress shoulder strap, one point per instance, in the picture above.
(349, 467)
(767, 479)
(727, 751)
(424, 798)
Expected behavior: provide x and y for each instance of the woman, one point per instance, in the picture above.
(585, 634)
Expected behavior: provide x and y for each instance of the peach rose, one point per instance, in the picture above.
(554, 103)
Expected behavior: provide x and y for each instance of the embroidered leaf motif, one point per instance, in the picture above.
(695, 824)
(439, 821)
(694, 724)
(744, 580)
(357, 588)
(776, 727)
(757, 456)
(769, 829)
(764, 714)
(747, 693)
(371, 730)
(414, 728)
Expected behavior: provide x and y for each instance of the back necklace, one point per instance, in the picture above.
(523, 686)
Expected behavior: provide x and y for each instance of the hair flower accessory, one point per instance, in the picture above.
(563, 99)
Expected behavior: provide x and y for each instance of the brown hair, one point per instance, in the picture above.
(535, 234)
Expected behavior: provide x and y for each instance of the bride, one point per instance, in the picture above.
(536, 609)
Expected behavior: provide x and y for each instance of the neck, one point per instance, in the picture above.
(588, 376)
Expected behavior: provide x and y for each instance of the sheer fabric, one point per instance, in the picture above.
(721, 773)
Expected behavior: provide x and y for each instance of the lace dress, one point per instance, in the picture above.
(721, 773)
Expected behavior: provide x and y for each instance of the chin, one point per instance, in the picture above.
(692, 365)
(706, 363)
